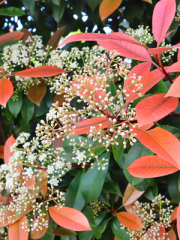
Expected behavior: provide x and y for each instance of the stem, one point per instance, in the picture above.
(163, 69)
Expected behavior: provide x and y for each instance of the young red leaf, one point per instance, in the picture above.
(107, 7)
(58, 142)
(163, 16)
(36, 92)
(131, 195)
(156, 230)
(27, 34)
(30, 182)
(54, 40)
(174, 89)
(174, 214)
(161, 142)
(174, 67)
(139, 70)
(129, 220)
(43, 176)
(69, 218)
(178, 221)
(39, 233)
(148, 81)
(7, 153)
(60, 98)
(115, 238)
(150, 167)
(4, 200)
(155, 107)
(171, 235)
(41, 71)
(11, 36)
(85, 126)
(162, 49)
(17, 230)
(2, 152)
(178, 55)
(6, 91)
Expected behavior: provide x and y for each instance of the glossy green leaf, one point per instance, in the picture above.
(98, 231)
(15, 106)
(27, 110)
(68, 238)
(92, 4)
(49, 98)
(160, 87)
(74, 198)
(42, 109)
(12, 11)
(103, 198)
(173, 187)
(112, 187)
(85, 235)
(135, 152)
(57, 2)
(9, 43)
(118, 232)
(47, 236)
(25, 126)
(59, 10)
(118, 149)
(29, 4)
(93, 180)
(151, 192)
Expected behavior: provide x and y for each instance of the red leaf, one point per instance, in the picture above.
(178, 55)
(41, 71)
(85, 126)
(39, 233)
(60, 98)
(139, 70)
(161, 142)
(155, 232)
(43, 176)
(54, 40)
(171, 235)
(115, 238)
(150, 167)
(174, 89)
(107, 7)
(178, 221)
(174, 67)
(4, 200)
(129, 220)
(155, 107)
(163, 16)
(36, 92)
(6, 91)
(121, 42)
(162, 49)
(17, 230)
(174, 214)
(148, 81)
(7, 153)
(11, 36)
(69, 218)
(131, 195)
(2, 152)
(30, 182)
(27, 34)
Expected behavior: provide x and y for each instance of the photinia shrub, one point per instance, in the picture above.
(107, 140)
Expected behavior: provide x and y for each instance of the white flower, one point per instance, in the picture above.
(54, 181)
(31, 158)
(42, 157)
(59, 164)
(29, 172)
(3, 167)
(80, 156)
(50, 169)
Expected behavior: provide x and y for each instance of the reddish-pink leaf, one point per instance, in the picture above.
(150, 167)
(107, 7)
(161, 142)
(39, 233)
(174, 214)
(174, 89)
(163, 16)
(139, 70)
(155, 107)
(178, 55)
(36, 92)
(69, 218)
(85, 126)
(30, 182)
(171, 235)
(162, 49)
(17, 230)
(155, 232)
(174, 67)
(58, 142)
(148, 81)
(115, 238)
(60, 99)
(4, 200)
(41, 71)
(147, 126)
(129, 220)
(7, 153)
(11, 36)
(178, 221)
(6, 91)
(54, 40)
(131, 195)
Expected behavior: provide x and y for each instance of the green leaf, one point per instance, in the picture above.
(8, 113)
(12, 11)
(136, 151)
(112, 90)
(68, 238)
(42, 109)
(74, 198)
(47, 236)
(118, 149)
(142, 186)
(9, 43)
(160, 87)
(103, 198)
(77, 8)
(15, 106)
(98, 231)
(151, 192)
(118, 232)
(29, 4)
(112, 187)
(93, 180)
(27, 110)
(58, 11)
(173, 187)
(85, 235)
(25, 126)
(57, 2)
(92, 4)
(49, 98)
(99, 219)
